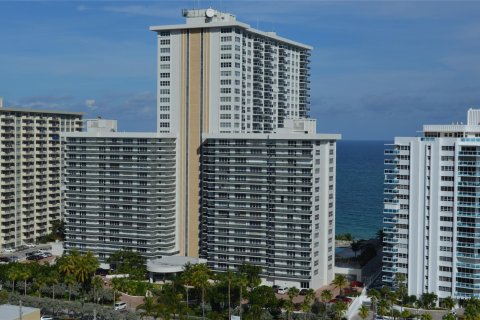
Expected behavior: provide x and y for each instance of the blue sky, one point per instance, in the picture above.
(379, 69)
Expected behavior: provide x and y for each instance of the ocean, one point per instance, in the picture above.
(360, 187)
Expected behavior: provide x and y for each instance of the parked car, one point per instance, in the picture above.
(35, 257)
(120, 306)
(275, 288)
(9, 250)
(303, 292)
(46, 318)
(282, 290)
(4, 259)
(13, 259)
(30, 245)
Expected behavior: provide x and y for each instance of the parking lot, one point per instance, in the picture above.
(21, 255)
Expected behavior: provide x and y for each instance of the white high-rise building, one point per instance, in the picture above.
(432, 210)
(30, 158)
(252, 180)
(218, 75)
(235, 78)
(120, 191)
(269, 200)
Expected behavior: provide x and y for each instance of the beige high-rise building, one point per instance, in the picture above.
(30, 159)
(219, 75)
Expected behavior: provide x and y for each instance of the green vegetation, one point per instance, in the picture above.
(128, 262)
(344, 237)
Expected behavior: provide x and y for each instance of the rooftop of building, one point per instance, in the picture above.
(472, 125)
(171, 264)
(211, 18)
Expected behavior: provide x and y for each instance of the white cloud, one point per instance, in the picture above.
(91, 104)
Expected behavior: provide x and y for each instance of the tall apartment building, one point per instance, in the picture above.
(218, 75)
(30, 157)
(432, 209)
(251, 179)
(120, 191)
(269, 200)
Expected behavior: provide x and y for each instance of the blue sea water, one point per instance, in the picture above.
(359, 187)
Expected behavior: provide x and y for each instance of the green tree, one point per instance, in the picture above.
(374, 296)
(24, 274)
(448, 303)
(326, 296)
(200, 277)
(69, 280)
(428, 300)
(340, 281)
(97, 284)
(339, 309)
(241, 282)
(448, 316)
(307, 302)
(252, 273)
(128, 262)
(363, 312)
(52, 280)
(149, 307)
(13, 274)
(289, 307)
(228, 278)
(355, 246)
(426, 316)
(85, 267)
(472, 309)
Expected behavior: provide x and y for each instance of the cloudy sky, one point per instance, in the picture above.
(379, 69)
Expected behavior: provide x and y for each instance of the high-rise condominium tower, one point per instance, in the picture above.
(30, 160)
(218, 75)
(432, 209)
(120, 191)
(251, 180)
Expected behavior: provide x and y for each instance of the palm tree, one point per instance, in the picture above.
(149, 307)
(292, 293)
(69, 280)
(24, 274)
(52, 280)
(363, 312)
(326, 296)
(374, 296)
(13, 274)
(289, 307)
(426, 316)
(448, 303)
(355, 245)
(340, 281)
(85, 267)
(40, 281)
(186, 277)
(307, 301)
(448, 316)
(97, 283)
(228, 278)
(339, 309)
(241, 282)
(200, 277)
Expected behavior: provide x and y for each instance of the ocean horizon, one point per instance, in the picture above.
(359, 194)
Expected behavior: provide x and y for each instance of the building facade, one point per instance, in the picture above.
(432, 210)
(218, 75)
(31, 196)
(269, 200)
(120, 191)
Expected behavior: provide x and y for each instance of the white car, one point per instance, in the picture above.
(120, 306)
(9, 250)
(282, 290)
(30, 245)
(46, 318)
